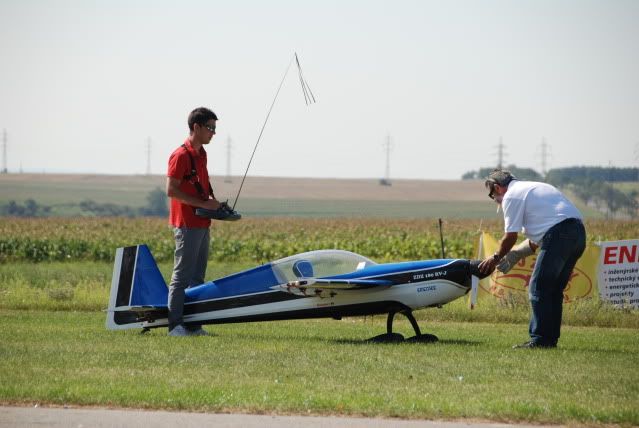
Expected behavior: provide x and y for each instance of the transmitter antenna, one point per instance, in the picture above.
(308, 98)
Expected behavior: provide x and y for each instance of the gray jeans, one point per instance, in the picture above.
(189, 268)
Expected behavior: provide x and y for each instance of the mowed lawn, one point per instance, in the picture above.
(323, 367)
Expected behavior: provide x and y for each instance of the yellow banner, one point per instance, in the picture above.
(582, 283)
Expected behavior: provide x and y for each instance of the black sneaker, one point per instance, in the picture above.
(530, 344)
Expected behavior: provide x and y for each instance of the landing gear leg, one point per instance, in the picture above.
(389, 336)
(419, 337)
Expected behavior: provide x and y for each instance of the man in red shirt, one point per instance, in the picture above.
(187, 185)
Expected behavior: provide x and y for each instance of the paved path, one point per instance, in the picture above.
(23, 417)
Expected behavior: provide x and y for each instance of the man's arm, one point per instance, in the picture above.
(173, 191)
(518, 252)
(505, 244)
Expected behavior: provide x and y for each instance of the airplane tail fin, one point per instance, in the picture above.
(138, 291)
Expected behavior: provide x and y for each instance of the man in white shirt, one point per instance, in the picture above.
(550, 222)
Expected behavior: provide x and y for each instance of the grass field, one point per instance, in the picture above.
(323, 367)
(84, 286)
(55, 349)
(627, 186)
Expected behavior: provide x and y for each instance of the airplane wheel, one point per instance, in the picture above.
(387, 338)
(424, 338)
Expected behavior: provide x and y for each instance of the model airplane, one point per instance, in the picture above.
(316, 284)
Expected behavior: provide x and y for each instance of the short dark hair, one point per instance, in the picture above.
(200, 115)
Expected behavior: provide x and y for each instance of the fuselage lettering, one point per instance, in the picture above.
(429, 275)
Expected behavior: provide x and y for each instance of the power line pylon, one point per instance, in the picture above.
(229, 144)
(4, 151)
(388, 146)
(500, 153)
(545, 153)
(148, 156)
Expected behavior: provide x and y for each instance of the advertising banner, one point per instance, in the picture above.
(619, 273)
(582, 283)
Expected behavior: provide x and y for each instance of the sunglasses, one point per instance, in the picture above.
(210, 128)
(491, 194)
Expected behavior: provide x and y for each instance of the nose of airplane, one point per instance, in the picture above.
(474, 269)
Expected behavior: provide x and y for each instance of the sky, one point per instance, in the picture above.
(86, 84)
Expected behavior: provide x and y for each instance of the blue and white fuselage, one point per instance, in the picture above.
(316, 284)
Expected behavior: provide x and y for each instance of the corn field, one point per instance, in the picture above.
(259, 240)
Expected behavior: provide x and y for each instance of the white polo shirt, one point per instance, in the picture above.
(533, 208)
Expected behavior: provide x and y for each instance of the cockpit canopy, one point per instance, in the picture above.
(318, 264)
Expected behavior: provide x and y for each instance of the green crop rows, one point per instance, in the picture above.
(257, 240)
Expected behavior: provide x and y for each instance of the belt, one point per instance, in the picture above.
(570, 220)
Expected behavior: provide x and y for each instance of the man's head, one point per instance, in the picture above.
(497, 184)
(202, 125)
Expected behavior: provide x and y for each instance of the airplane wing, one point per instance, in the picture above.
(315, 286)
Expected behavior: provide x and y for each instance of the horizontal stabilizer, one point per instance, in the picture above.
(139, 309)
(138, 291)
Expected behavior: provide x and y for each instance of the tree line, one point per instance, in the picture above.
(593, 185)
(156, 206)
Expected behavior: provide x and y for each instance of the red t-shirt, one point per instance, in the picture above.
(181, 214)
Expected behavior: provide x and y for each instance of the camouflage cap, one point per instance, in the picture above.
(498, 176)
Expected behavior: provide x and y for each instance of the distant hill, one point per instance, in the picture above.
(267, 196)
(51, 187)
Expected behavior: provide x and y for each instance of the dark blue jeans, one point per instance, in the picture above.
(561, 247)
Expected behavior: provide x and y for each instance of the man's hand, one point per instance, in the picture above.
(487, 266)
(517, 253)
(506, 243)
(210, 204)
